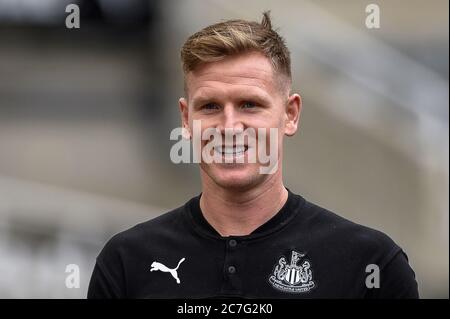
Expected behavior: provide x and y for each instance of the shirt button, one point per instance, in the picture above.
(232, 243)
(231, 269)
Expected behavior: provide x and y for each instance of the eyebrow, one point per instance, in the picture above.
(207, 98)
(201, 100)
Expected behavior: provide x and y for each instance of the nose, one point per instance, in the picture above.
(230, 120)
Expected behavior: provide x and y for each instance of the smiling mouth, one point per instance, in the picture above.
(230, 151)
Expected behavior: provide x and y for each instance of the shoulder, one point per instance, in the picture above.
(355, 247)
(165, 226)
(125, 250)
(344, 234)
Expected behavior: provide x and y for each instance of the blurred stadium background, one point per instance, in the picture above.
(85, 117)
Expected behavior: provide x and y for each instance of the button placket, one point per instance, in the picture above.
(232, 264)
(232, 243)
(231, 269)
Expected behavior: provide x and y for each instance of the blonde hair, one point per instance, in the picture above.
(217, 41)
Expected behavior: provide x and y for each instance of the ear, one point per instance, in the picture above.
(293, 110)
(184, 112)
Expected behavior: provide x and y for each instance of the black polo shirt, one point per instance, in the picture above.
(304, 251)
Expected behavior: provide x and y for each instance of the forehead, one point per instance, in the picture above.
(248, 72)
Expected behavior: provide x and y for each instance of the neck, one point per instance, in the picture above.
(234, 212)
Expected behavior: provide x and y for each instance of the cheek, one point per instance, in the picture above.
(199, 124)
(273, 120)
(266, 120)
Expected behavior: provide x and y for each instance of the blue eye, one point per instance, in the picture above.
(210, 106)
(248, 105)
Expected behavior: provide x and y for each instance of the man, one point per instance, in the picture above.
(246, 235)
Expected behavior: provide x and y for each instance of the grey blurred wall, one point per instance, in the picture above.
(85, 118)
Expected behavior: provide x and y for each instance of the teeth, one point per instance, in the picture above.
(229, 150)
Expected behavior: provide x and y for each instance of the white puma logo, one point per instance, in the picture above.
(158, 266)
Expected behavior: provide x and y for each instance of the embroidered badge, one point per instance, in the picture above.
(293, 277)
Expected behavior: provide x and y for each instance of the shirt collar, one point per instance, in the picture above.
(281, 218)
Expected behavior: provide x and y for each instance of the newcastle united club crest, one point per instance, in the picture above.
(293, 277)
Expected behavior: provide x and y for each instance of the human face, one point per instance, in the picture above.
(238, 93)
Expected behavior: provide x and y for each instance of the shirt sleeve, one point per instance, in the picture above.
(108, 276)
(102, 285)
(397, 280)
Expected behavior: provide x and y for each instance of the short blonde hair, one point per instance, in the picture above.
(217, 41)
